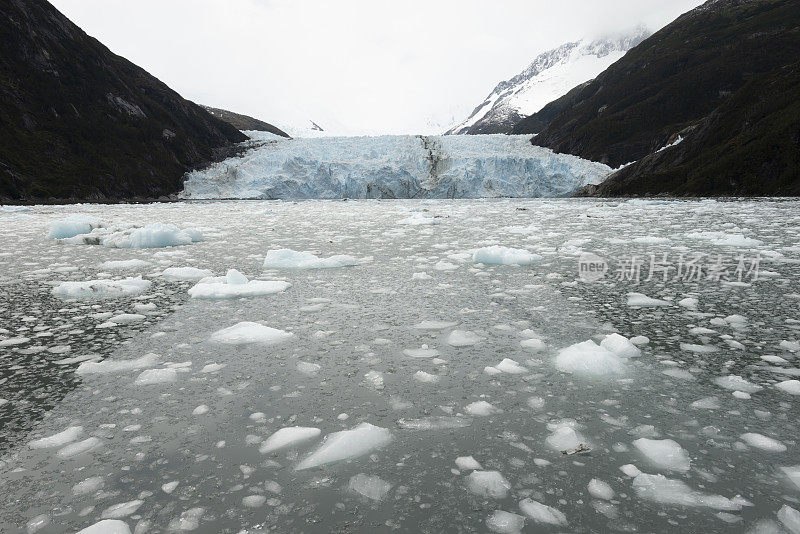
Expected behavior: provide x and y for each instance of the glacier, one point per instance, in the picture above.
(393, 166)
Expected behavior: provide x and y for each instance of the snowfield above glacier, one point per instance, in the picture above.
(401, 166)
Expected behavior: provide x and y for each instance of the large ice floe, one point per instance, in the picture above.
(291, 259)
(235, 285)
(100, 289)
(85, 230)
(458, 166)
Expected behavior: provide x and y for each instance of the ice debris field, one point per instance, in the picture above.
(398, 366)
(399, 166)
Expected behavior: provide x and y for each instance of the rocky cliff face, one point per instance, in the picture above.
(722, 79)
(79, 122)
(245, 122)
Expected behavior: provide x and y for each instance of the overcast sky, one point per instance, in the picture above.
(354, 66)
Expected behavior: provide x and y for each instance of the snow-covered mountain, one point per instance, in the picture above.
(550, 76)
(394, 166)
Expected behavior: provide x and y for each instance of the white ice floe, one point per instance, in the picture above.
(488, 484)
(285, 258)
(247, 332)
(235, 285)
(793, 474)
(124, 264)
(621, 346)
(790, 518)
(155, 235)
(707, 403)
(88, 485)
(73, 225)
(418, 219)
(542, 514)
(347, 444)
(726, 240)
(791, 387)
(589, 358)
(482, 409)
(435, 325)
(188, 274)
(497, 255)
(288, 437)
(426, 378)
(57, 440)
(564, 436)
(511, 367)
(600, 489)
(533, 344)
(737, 383)
(254, 501)
(762, 442)
(80, 447)
(101, 288)
(11, 341)
(468, 463)
(463, 338)
(423, 352)
(664, 454)
(663, 490)
(156, 376)
(370, 486)
(123, 509)
(107, 526)
(640, 300)
(116, 366)
(503, 522)
(434, 422)
(127, 318)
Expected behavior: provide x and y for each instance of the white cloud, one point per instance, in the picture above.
(360, 66)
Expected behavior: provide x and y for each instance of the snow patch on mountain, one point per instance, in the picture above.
(550, 76)
(401, 166)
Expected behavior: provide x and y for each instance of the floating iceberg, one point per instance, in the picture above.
(347, 444)
(155, 235)
(285, 258)
(288, 436)
(235, 285)
(399, 166)
(589, 358)
(73, 225)
(101, 288)
(496, 255)
(247, 333)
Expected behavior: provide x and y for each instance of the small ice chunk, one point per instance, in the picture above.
(434, 422)
(116, 366)
(57, 440)
(533, 344)
(123, 509)
(790, 518)
(793, 474)
(511, 367)
(482, 409)
(75, 224)
(308, 368)
(423, 352)
(254, 501)
(504, 522)
(658, 488)
(496, 255)
(127, 318)
(620, 346)
(87, 485)
(98, 289)
(80, 447)
(589, 358)
(630, 470)
(124, 264)
(760, 441)
(463, 338)
(640, 300)
(564, 437)
(468, 463)
(791, 387)
(347, 444)
(707, 403)
(426, 378)
(200, 410)
(640, 340)
(291, 259)
(435, 325)
(664, 454)
(737, 383)
(488, 484)
(156, 376)
(169, 487)
(689, 302)
(246, 333)
(185, 274)
(212, 367)
(535, 403)
(107, 526)
(600, 490)
(288, 437)
(542, 514)
(370, 486)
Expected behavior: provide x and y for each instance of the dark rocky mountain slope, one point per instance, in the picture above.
(79, 122)
(723, 77)
(244, 122)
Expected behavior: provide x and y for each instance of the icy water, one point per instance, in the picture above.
(686, 431)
